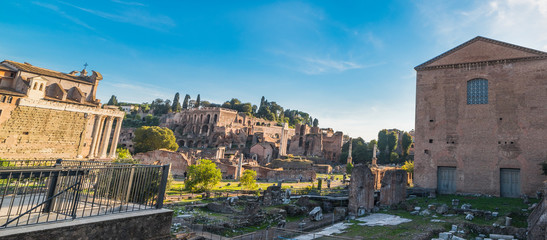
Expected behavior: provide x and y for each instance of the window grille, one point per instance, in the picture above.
(477, 91)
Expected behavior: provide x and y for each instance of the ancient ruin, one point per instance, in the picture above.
(361, 190)
(45, 114)
(393, 189)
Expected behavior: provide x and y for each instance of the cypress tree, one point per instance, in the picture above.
(113, 100)
(197, 102)
(185, 102)
(176, 103)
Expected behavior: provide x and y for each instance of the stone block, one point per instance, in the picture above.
(361, 189)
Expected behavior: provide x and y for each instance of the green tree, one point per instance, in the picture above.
(315, 122)
(406, 142)
(392, 139)
(408, 167)
(248, 179)
(124, 156)
(393, 157)
(349, 168)
(185, 102)
(227, 105)
(113, 101)
(176, 103)
(203, 176)
(198, 101)
(382, 140)
(149, 138)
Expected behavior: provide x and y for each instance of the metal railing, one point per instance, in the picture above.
(37, 191)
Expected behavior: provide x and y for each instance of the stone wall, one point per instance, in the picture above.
(393, 190)
(37, 133)
(148, 224)
(361, 190)
(291, 175)
(179, 162)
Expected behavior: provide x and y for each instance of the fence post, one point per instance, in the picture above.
(163, 185)
(53, 178)
(130, 183)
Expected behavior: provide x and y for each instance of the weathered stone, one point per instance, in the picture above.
(340, 211)
(219, 208)
(466, 206)
(393, 190)
(442, 209)
(445, 235)
(316, 214)
(361, 189)
(499, 236)
(273, 195)
(469, 217)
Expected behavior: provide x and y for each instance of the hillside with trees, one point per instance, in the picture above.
(268, 110)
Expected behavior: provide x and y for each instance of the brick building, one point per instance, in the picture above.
(481, 119)
(45, 114)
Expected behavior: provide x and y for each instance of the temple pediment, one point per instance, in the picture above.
(481, 49)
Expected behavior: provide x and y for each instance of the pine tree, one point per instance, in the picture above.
(197, 102)
(113, 100)
(185, 102)
(315, 122)
(176, 103)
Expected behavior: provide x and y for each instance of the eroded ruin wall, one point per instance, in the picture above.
(36, 133)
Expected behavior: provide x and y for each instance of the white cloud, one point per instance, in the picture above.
(63, 14)
(519, 22)
(133, 16)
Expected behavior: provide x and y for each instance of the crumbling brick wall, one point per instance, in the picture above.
(37, 133)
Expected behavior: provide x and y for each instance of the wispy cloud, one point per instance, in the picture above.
(132, 16)
(314, 66)
(63, 14)
(129, 3)
(515, 21)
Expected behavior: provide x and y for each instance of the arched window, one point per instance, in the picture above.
(477, 91)
(10, 99)
(35, 85)
(41, 86)
(3, 99)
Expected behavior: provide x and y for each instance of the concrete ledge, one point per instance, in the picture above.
(145, 224)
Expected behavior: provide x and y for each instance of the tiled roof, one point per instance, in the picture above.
(46, 72)
(9, 91)
(2, 67)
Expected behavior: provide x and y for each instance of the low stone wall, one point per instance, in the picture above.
(146, 224)
(291, 175)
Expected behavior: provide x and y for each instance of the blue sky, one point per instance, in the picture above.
(347, 63)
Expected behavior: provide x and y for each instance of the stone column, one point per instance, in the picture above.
(283, 143)
(350, 159)
(115, 138)
(94, 136)
(100, 127)
(239, 166)
(106, 137)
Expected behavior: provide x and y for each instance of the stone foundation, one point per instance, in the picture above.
(146, 224)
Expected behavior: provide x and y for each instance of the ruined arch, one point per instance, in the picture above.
(249, 123)
(208, 119)
(215, 118)
(205, 129)
(302, 130)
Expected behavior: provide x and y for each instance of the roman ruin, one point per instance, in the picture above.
(480, 119)
(46, 114)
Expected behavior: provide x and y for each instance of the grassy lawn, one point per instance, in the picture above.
(420, 225)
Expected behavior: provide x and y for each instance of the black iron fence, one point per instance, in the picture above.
(39, 191)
